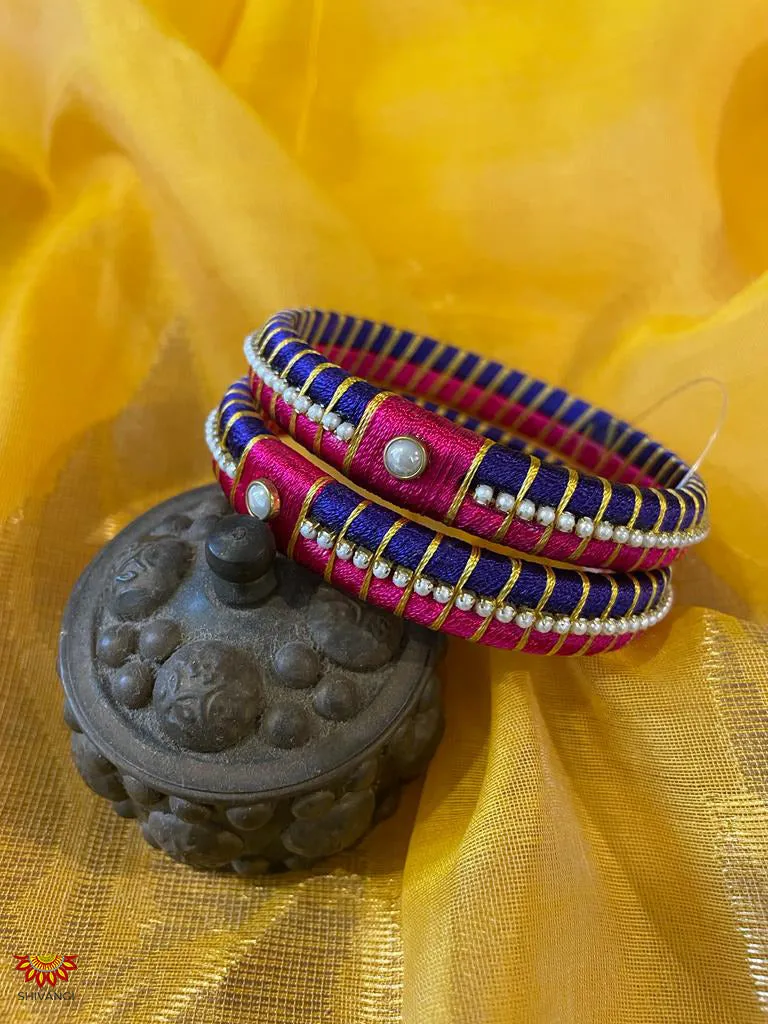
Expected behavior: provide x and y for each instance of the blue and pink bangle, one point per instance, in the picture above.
(390, 560)
(493, 452)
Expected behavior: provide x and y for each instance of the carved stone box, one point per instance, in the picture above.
(246, 714)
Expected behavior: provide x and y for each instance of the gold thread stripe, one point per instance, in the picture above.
(243, 458)
(248, 414)
(469, 568)
(402, 360)
(516, 567)
(488, 390)
(432, 547)
(268, 335)
(570, 487)
(549, 586)
(303, 390)
(607, 493)
(466, 483)
(363, 425)
(426, 366)
(328, 572)
(310, 496)
(365, 347)
(442, 379)
(530, 476)
(381, 355)
(575, 614)
(348, 344)
(603, 615)
(327, 346)
(480, 366)
(630, 523)
(345, 385)
(528, 410)
(379, 553)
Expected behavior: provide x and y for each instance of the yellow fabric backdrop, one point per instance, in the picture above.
(578, 187)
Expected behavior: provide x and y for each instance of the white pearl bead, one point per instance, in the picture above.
(344, 431)
(401, 577)
(525, 619)
(505, 501)
(544, 623)
(442, 593)
(562, 624)
(423, 586)
(302, 404)
(526, 510)
(585, 527)
(545, 515)
(566, 522)
(361, 558)
(636, 539)
(465, 601)
(325, 539)
(505, 613)
(594, 627)
(261, 499)
(608, 628)
(644, 621)
(315, 413)
(620, 534)
(381, 569)
(331, 420)
(579, 627)
(483, 494)
(405, 458)
(484, 607)
(344, 550)
(603, 531)
(289, 395)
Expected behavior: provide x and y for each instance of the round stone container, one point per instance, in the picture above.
(247, 715)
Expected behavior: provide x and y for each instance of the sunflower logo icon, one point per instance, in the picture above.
(46, 969)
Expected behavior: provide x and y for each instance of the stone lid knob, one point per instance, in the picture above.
(240, 551)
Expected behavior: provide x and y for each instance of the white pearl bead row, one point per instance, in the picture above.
(468, 601)
(221, 456)
(326, 419)
(583, 527)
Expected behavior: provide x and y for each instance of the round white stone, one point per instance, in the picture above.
(594, 627)
(325, 539)
(465, 600)
(401, 577)
(566, 522)
(344, 431)
(562, 624)
(423, 586)
(483, 494)
(361, 558)
(484, 607)
(315, 413)
(636, 539)
(526, 510)
(579, 627)
(302, 403)
(308, 530)
(544, 623)
(603, 531)
(381, 569)
(545, 515)
(585, 527)
(405, 458)
(525, 619)
(344, 550)
(442, 594)
(505, 501)
(259, 500)
(331, 420)
(505, 613)
(620, 534)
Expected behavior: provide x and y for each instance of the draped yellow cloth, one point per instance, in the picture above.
(576, 187)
